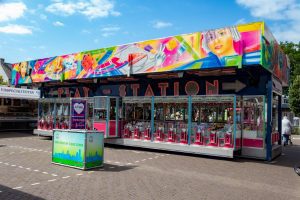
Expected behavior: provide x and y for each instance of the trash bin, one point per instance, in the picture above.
(83, 149)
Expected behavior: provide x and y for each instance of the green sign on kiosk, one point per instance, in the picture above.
(81, 149)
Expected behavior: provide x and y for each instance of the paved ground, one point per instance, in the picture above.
(26, 173)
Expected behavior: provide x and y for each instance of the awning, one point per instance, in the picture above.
(19, 93)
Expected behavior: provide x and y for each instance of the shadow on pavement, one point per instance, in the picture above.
(44, 137)
(115, 146)
(15, 134)
(8, 193)
(113, 168)
(290, 157)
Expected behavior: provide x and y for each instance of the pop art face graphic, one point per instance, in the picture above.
(220, 42)
(69, 63)
(87, 62)
(23, 69)
(54, 66)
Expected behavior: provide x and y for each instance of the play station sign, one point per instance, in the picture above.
(78, 113)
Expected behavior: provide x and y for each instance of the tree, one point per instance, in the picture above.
(2, 82)
(293, 51)
(294, 96)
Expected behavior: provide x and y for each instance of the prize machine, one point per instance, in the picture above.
(171, 119)
(62, 118)
(275, 137)
(46, 114)
(137, 118)
(213, 121)
(106, 115)
(89, 125)
(54, 113)
(253, 122)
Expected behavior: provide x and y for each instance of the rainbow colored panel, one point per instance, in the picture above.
(225, 47)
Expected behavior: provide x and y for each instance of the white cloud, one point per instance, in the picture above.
(109, 30)
(269, 9)
(43, 17)
(58, 23)
(115, 13)
(11, 11)
(21, 49)
(91, 9)
(39, 47)
(241, 21)
(33, 22)
(15, 29)
(107, 34)
(288, 32)
(84, 31)
(285, 15)
(161, 24)
(60, 8)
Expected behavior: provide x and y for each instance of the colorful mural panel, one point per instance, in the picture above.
(20, 73)
(273, 58)
(226, 47)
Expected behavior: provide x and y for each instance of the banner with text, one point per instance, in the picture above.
(78, 113)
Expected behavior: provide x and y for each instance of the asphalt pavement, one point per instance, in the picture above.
(26, 172)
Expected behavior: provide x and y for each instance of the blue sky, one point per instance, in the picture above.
(31, 29)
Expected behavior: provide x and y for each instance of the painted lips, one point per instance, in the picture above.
(218, 47)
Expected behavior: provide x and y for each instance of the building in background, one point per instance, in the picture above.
(5, 71)
(286, 111)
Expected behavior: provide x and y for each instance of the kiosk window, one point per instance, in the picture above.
(158, 112)
(100, 115)
(7, 102)
(16, 102)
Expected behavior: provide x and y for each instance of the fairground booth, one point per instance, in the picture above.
(18, 108)
(216, 92)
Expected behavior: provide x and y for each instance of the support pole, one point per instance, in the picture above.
(189, 119)
(269, 121)
(152, 118)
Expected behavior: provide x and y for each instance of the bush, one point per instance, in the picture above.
(294, 96)
(296, 131)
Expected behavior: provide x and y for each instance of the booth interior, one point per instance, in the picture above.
(227, 122)
(100, 114)
(192, 120)
(18, 108)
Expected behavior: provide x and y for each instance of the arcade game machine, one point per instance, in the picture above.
(215, 122)
(106, 115)
(171, 119)
(137, 118)
(53, 113)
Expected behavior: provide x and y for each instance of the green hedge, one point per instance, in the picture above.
(296, 131)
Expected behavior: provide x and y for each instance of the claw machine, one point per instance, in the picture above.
(106, 115)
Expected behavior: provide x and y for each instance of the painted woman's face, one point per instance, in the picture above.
(220, 42)
(23, 69)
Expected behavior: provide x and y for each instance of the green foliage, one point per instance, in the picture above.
(2, 82)
(296, 131)
(294, 96)
(293, 52)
